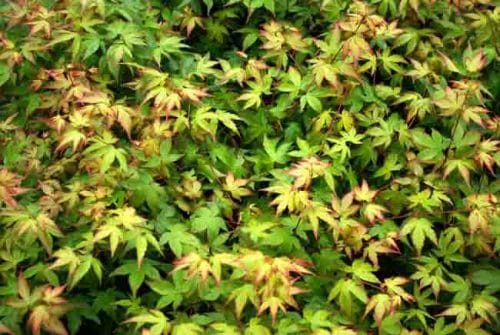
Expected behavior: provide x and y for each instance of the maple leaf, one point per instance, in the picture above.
(385, 246)
(191, 93)
(393, 287)
(450, 65)
(363, 271)
(180, 240)
(104, 149)
(482, 208)
(390, 63)
(485, 152)
(190, 21)
(10, 187)
(344, 290)
(272, 303)
(235, 186)
(344, 207)
(373, 212)
(58, 123)
(463, 166)
(451, 103)
(187, 329)
(420, 229)
(122, 224)
(45, 305)
(278, 154)
(67, 257)
(356, 47)
(72, 136)
(168, 45)
(474, 61)
(316, 211)
(241, 296)
(420, 70)
(416, 104)
(32, 221)
(363, 192)
(381, 304)
(474, 113)
(427, 200)
(252, 98)
(289, 198)
(306, 170)
(155, 317)
(432, 146)
(324, 71)
(195, 265)
(208, 219)
(228, 119)
(123, 115)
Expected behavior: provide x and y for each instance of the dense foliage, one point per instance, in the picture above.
(249, 167)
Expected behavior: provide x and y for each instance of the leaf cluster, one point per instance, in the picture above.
(249, 167)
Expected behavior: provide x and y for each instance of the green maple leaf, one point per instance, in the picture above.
(180, 240)
(463, 166)
(241, 296)
(442, 328)
(277, 154)
(432, 147)
(344, 291)
(208, 219)
(137, 275)
(419, 229)
(391, 164)
(187, 329)
(169, 293)
(390, 63)
(104, 149)
(157, 319)
(363, 271)
(115, 54)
